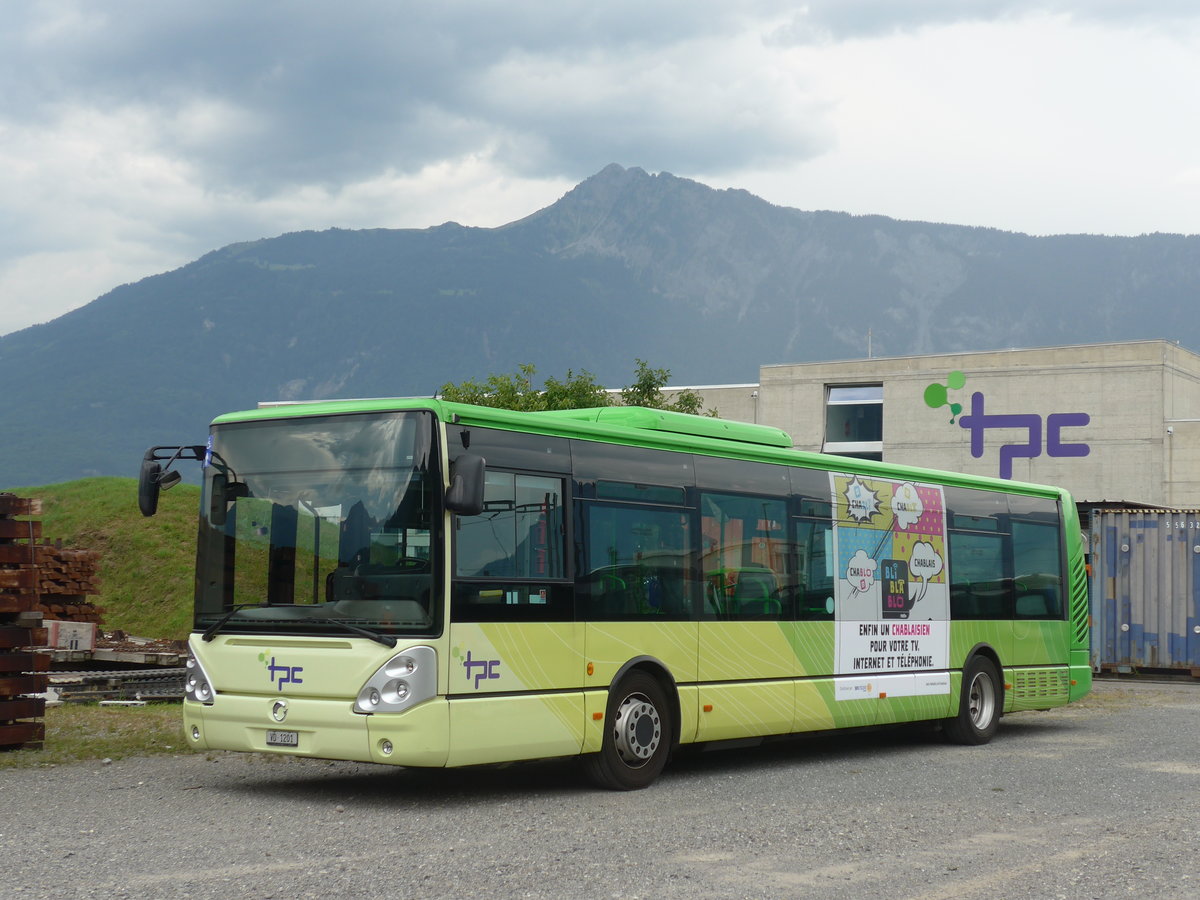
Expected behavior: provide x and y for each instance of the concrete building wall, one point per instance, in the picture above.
(1183, 464)
(1091, 418)
(1181, 382)
(738, 402)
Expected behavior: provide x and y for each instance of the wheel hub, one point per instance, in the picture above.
(637, 731)
(981, 701)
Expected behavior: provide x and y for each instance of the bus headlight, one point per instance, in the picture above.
(402, 682)
(197, 685)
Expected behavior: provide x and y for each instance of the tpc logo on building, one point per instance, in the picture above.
(978, 422)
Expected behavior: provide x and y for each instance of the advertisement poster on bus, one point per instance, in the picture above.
(892, 593)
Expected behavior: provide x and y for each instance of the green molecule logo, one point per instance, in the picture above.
(936, 394)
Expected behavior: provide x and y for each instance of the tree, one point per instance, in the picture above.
(576, 391)
(647, 390)
(516, 391)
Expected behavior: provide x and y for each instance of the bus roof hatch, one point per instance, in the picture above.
(677, 423)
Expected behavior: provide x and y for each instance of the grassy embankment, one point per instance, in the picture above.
(145, 589)
(146, 579)
(79, 732)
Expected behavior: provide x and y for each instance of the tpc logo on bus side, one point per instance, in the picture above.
(481, 669)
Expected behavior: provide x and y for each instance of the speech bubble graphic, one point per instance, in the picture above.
(861, 572)
(861, 501)
(926, 564)
(907, 506)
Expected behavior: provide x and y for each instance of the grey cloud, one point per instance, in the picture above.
(661, 137)
(259, 97)
(330, 94)
(822, 20)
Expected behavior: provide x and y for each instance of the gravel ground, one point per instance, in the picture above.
(1097, 800)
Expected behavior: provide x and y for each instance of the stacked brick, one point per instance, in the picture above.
(65, 579)
(22, 672)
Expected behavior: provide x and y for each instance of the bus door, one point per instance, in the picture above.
(747, 662)
(637, 590)
(1041, 633)
(515, 673)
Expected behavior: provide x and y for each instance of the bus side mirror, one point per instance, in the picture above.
(148, 484)
(465, 495)
(154, 478)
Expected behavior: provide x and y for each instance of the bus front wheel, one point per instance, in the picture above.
(978, 704)
(637, 735)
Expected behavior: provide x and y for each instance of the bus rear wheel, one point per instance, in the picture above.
(637, 735)
(978, 705)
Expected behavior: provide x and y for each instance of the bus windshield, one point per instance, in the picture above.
(319, 525)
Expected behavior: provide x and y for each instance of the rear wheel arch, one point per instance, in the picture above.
(987, 651)
(980, 701)
(639, 730)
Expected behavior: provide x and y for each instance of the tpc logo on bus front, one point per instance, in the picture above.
(281, 674)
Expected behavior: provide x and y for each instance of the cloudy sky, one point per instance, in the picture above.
(136, 135)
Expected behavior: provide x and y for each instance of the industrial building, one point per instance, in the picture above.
(1117, 424)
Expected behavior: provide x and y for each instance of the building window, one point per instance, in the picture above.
(854, 421)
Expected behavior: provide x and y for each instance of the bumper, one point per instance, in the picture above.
(324, 729)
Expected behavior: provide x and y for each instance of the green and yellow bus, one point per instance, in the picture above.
(424, 583)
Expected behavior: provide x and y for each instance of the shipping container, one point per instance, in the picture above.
(1145, 586)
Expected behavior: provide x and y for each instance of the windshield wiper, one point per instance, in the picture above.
(212, 630)
(386, 639)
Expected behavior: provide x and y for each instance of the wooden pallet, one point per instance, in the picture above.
(12, 505)
(22, 671)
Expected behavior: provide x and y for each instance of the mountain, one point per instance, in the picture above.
(710, 284)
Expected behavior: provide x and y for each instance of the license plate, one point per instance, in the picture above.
(283, 739)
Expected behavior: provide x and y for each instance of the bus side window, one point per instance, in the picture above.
(813, 584)
(509, 559)
(518, 534)
(637, 563)
(1037, 575)
(745, 562)
(978, 586)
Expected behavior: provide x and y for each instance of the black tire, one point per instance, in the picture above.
(637, 735)
(979, 704)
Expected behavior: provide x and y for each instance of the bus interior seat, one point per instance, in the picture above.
(1036, 605)
(754, 593)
